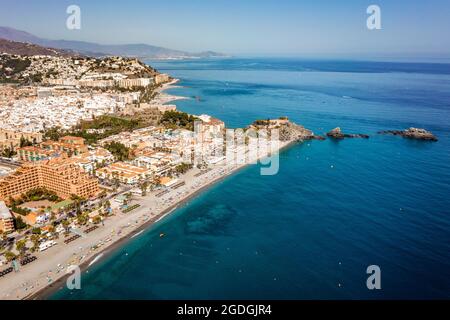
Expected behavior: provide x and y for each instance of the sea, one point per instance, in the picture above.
(334, 208)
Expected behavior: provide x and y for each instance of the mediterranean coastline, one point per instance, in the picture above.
(135, 230)
(216, 158)
(47, 274)
(122, 216)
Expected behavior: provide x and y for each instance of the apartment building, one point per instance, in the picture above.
(53, 149)
(158, 162)
(59, 175)
(138, 82)
(124, 172)
(91, 160)
(161, 78)
(101, 83)
(11, 138)
(6, 218)
(67, 144)
(209, 129)
(33, 153)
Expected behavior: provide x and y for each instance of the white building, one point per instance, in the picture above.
(6, 218)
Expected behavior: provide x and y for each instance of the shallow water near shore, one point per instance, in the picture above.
(333, 209)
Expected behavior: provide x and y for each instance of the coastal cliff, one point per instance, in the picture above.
(288, 131)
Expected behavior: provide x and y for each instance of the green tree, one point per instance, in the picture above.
(177, 119)
(82, 219)
(35, 238)
(24, 142)
(144, 186)
(65, 223)
(183, 168)
(20, 225)
(8, 152)
(21, 246)
(106, 207)
(118, 150)
(9, 256)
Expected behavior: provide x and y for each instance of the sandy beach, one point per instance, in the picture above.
(48, 273)
(163, 97)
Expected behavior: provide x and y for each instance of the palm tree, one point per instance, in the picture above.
(82, 219)
(106, 207)
(9, 256)
(21, 247)
(143, 186)
(77, 202)
(115, 180)
(65, 224)
(3, 235)
(35, 239)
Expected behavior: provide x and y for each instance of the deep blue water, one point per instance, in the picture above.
(333, 209)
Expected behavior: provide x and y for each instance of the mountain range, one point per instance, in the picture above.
(142, 51)
(29, 49)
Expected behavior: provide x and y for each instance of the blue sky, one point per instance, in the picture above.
(246, 27)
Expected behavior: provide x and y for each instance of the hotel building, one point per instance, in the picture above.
(58, 175)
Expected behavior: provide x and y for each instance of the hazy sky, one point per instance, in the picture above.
(265, 27)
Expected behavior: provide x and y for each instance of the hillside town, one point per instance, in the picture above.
(90, 145)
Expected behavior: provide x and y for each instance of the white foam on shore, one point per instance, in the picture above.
(135, 235)
(95, 259)
(166, 214)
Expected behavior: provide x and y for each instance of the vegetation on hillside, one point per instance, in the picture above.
(177, 119)
(96, 129)
(118, 150)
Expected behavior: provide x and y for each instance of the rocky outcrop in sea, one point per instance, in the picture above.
(337, 133)
(412, 133)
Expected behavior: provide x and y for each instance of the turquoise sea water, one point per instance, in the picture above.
(334, 208)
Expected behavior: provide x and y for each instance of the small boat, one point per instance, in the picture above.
(162, 235)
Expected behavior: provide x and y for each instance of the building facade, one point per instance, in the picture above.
(124, 172)
(67, 144)
(6, 218)
(11, 138)
(32, 153)
(59, 175)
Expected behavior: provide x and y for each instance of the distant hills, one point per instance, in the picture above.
(142, 51)
(28, 49)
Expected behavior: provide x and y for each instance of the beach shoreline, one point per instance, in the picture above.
(40, 280)
(51, 289)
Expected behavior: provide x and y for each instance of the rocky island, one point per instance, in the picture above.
(412, 133)
(337, 133)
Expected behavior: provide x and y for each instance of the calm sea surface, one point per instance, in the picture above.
(333, 209)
